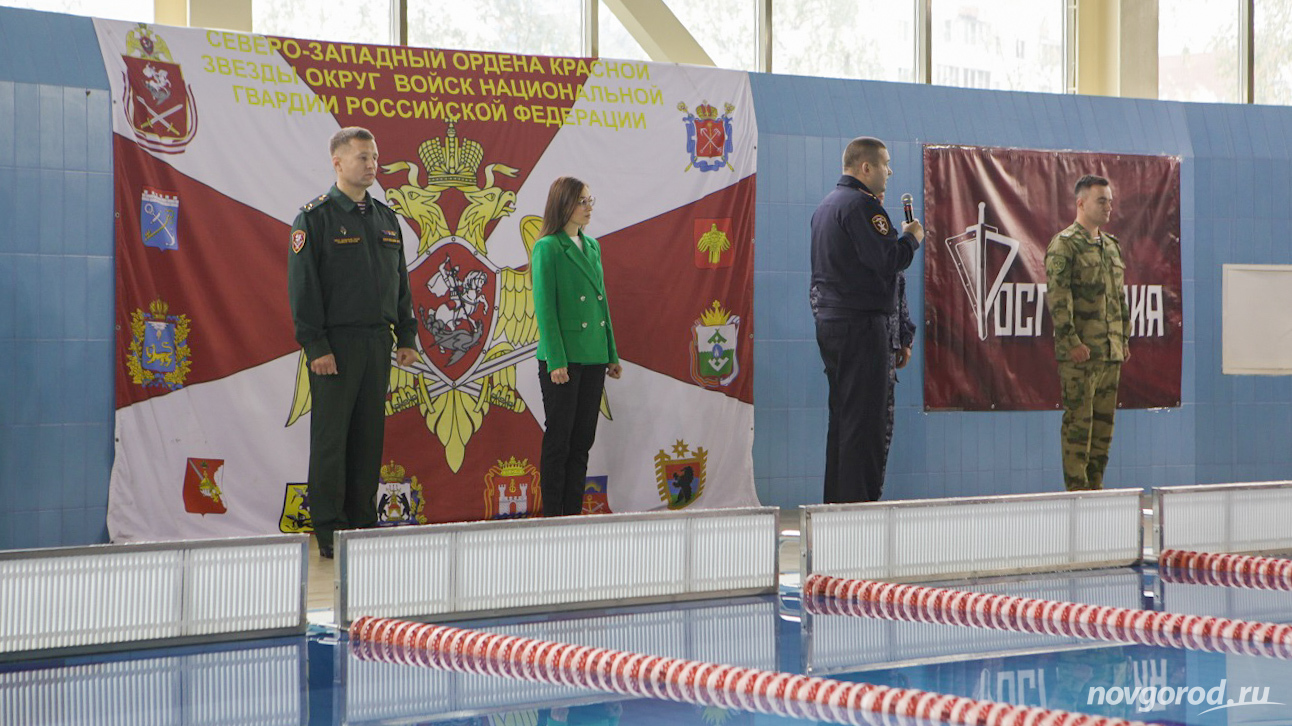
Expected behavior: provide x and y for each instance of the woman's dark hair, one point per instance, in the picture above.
(561, 201)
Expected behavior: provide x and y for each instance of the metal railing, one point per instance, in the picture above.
(77, 599)
(1247, 518)
(452, 571)
(928, 539)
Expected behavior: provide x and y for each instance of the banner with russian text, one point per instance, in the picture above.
(990, 214)
(221, 137)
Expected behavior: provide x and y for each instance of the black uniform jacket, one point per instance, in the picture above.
(856, 254)
(346, 271)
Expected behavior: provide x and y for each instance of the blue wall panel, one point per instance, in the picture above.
(55, 282)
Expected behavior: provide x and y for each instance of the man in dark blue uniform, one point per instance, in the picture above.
(348, 284)
(856, 255)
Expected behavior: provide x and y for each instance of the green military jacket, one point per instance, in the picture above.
(570, 303)
(1085, 295)
(346, 271)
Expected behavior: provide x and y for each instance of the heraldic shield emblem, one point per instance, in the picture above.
(714, 338)
(201, 490)
(681, 477)
(399, 497)
(158, 105)
(455, 293)
(512, 490)
(708, 136)
(158, 355)
(296, 509)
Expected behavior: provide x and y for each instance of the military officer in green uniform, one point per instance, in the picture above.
(1085, 273)
(350, 299)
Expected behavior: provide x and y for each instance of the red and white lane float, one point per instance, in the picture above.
(1208, 568)
(868, 598)
(673, 679)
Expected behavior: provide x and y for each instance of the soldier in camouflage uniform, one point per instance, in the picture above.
(1085, 274)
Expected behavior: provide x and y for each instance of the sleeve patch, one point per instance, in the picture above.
(880, 223)
(298, 240)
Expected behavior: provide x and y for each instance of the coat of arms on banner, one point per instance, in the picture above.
(596, 499)
(158, 353)
(202, 493)
(512, 490)
(708, 136)
(399, 497)
(159, 106)
(159, 219)
(714, 339)
(681, 477)
(296, 510)
(713, 248)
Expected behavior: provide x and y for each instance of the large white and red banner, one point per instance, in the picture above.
(990, 214)
(221, 137)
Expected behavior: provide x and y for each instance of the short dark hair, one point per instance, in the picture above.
(345, 135)
(1087, 181)
(862, 149)
(562, 198)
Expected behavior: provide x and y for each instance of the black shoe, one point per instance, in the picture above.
(325, 552)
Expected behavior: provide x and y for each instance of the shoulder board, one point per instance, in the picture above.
(1070, 232)
(313, 203)
(1114, 239)
(378, 203)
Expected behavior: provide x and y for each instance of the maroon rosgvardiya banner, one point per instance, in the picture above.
(989, 215)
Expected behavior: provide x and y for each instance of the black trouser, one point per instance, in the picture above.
(572, 409)
(347, 429)
(858, 367)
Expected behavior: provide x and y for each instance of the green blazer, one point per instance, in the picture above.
(570, 303)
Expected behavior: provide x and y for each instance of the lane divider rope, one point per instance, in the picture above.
(686, 681)
(1226, 570)
(823, 595)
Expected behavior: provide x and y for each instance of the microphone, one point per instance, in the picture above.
(906, 207)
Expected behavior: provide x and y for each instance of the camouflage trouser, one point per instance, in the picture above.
(1089, 403)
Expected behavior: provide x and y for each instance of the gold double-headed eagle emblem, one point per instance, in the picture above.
(455, 409)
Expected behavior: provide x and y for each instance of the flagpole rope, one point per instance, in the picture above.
(708, 684)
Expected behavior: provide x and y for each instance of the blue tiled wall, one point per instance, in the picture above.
(1236, 176)
(56, 282)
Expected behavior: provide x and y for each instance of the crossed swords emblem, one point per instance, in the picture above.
(158, 116)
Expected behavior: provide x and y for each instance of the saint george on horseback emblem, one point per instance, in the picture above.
(455, 306)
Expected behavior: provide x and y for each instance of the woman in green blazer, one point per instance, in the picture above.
(576, 342)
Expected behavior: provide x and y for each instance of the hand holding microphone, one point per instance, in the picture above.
(912, 226)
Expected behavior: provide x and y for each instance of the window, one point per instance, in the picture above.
(726, 30)
(348, 21)
(1197, 47)
(137, 10)
(614, 40)
(539, 27)
(1009, 45)
(1273, 66)
(873, 39)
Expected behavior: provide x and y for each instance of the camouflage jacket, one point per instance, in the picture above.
(1084, 294)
